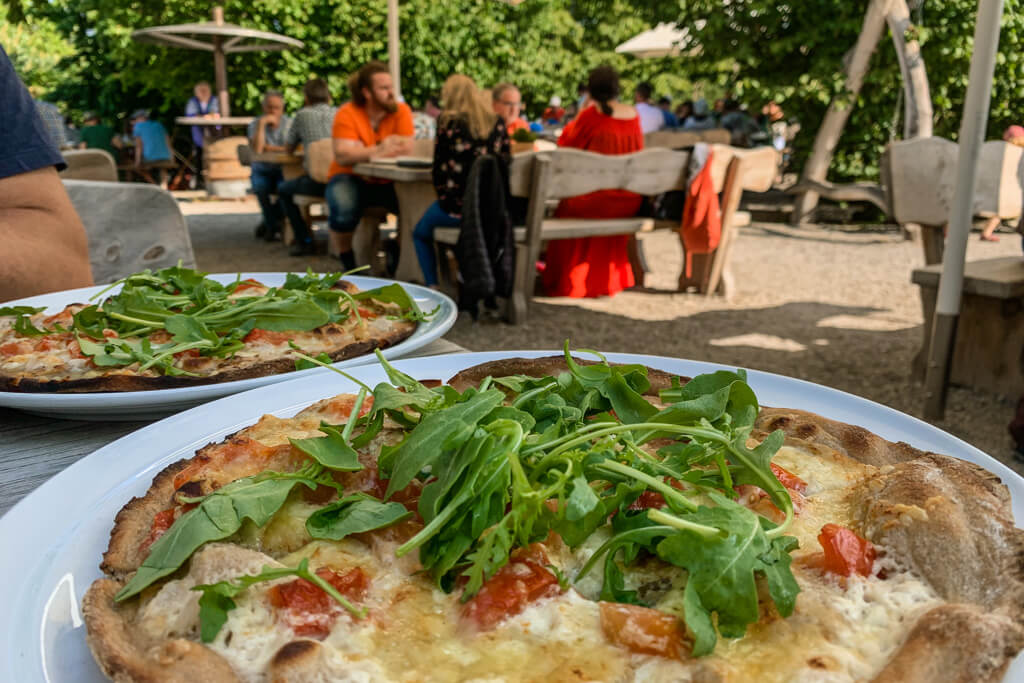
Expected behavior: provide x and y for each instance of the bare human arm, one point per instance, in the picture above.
(259, 139)
(138, 151)
(45, 248)
(350, 152)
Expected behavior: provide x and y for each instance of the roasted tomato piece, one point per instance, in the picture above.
(161, 523)
(523, 580)
(267, 337)
(788, 479)
(307, 609)
(247, 284)
(367, 313)
(648, 500)
(642, 630)
(846, 552)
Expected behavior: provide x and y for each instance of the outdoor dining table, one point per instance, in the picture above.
(415, 191)
(291, 164)
(34, 448)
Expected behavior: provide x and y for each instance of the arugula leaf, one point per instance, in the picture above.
(331, 451)
(23, 326)
(396, 294)
(436, 433)
(304, 364)
(217, 517)
(353, 515)
(21, 310)
(217, 598)
(722, 569)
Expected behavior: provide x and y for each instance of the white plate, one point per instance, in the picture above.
(53, 539)
(138, 405)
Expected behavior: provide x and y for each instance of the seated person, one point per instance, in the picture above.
(507, 104)
(665, 105)
(596, 266)
(739, 123)
(152, 143)
(554, 113)
(45, 247)
(467, 130)
(267, 134)
(373, 125)
(651, 117)
(701, 118)
(96, 135)
(311, 123)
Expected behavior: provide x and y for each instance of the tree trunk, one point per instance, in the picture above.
(831, 127)
(917, 111)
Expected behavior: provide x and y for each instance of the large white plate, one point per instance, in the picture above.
(137, 405)
(52, 540)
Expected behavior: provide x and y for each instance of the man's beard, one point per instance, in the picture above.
(389, 105)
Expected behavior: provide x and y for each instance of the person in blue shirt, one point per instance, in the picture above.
(44, 243)
(151, 140)
(665, 105)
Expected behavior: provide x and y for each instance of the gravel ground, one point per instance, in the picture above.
(832, 307)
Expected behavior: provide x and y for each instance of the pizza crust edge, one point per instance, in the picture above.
(402, 331)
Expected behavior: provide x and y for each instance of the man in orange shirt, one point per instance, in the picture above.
(373, 125)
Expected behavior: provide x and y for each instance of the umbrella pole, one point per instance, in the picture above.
(220, 70)
(393, 63)
(972, 136)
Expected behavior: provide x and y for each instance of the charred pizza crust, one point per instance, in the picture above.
(947, 520)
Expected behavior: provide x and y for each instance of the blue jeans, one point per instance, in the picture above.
(286, 191)
(265, 179)
(423, 238)
(348, 196)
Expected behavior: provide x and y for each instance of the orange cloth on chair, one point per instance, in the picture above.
(701, 228)
(595, 266)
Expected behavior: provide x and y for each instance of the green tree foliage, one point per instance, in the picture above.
(539, 44)
(793, 52)
(755, 49)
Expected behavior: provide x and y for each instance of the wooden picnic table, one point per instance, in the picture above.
(33, 448)
(290, 163)
(227, 121)
(415, 191)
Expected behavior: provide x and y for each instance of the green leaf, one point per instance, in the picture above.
(331, 451)
(582, 500)
(21, 310)
(435, 434)
(395, 294)
(218, 516)
(354, 515)
(303, 364)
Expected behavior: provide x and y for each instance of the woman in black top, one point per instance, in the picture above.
(466, 129)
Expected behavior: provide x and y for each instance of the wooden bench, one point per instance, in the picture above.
(89, 164)
(680, 139)
(987, 353)
(548, 176)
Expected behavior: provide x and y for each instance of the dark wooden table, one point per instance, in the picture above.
(33, 449)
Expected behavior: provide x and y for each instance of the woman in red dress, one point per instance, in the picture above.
(596, 266)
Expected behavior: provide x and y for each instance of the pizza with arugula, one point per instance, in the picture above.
(176, 327)
(560, 520)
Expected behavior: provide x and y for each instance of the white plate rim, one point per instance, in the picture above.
(165, 400)
(233, 412)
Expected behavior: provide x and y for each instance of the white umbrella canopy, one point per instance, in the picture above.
(221, 39)
(664, 40)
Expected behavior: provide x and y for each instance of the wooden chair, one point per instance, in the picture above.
(672, 139)
(716, 136)
(130, 227)
(920, 175)
(319, 154)
(89, 164)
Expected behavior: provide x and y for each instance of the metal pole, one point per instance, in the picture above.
(393, 51)
(220, 71)
(972, 136)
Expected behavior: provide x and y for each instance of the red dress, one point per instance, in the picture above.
(595, 266)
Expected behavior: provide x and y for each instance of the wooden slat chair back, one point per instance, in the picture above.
(319, 155)
(920, 175)
(130, 227)
(89, 164)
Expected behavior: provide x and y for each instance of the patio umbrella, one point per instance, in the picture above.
(664, 40)
(972, 135)
(219, 38)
